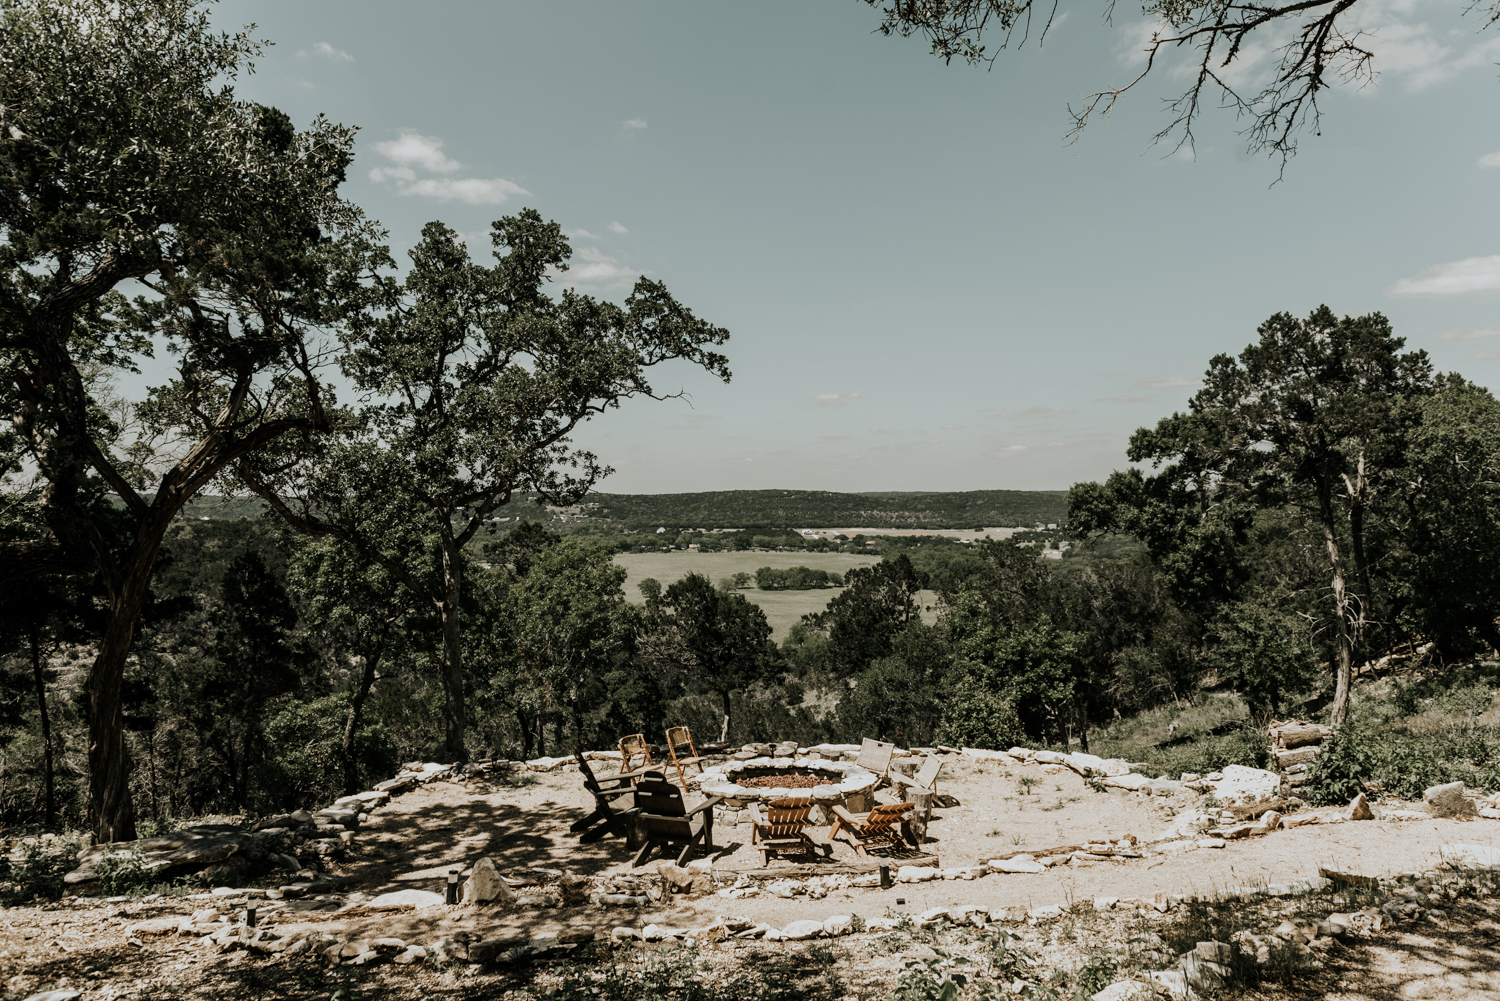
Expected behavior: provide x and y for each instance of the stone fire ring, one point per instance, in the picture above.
(845, 780)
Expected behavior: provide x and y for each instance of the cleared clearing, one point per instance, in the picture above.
(782, 608)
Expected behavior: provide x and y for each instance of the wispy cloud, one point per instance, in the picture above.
(1490, 160)
(412, 151)
(633, 123)
(1465, 277)
(1125, 399)
(597, 269)
(1470, 335)
(615, 227)
(834, 399)
(327, 51)
(1042, 411)
(581, 234)
(1170, 382)
(954, 427)
(1485, 355)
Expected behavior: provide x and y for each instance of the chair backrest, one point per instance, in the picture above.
(886, 816)
(928, 774)
(875, 755)
(632, 747)
(589, 782)
(655, 795)
(677, 737)
(785, 817)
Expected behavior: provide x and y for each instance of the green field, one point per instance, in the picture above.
(782, 608)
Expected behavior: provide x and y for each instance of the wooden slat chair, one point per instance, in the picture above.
(664, 820)
(634, 747)
(679, 739)
(881, 827)
(875, 756)
(925, 784)
(784, 826)
(614, 806)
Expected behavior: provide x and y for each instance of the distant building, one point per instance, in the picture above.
(693, 547)
(661, 531)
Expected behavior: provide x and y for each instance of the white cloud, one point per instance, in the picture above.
(1490, 160)
(380, 174)
(954, 427)
(474, 190)
(1472, 274)
(634, 123)
(581, 234)
(327, 52)
(596, 269)
(1485, 355)
(1015, 448)
(615, 227)
(1170, 382)
(1470, 335)
(413, 149)
(834, 399)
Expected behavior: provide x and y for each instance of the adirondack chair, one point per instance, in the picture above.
(875, 756)
(923, 788)
(783, 826)
(881, 827)
(614, 806)
(631, 748)
(664, 820)
(678, 739)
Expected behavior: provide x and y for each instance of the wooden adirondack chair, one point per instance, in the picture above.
(614, 806)
(631, 748)
(922, 787)
(881, 827)
(679, 738)
(663, 819)
(783, 826)
(875, 756)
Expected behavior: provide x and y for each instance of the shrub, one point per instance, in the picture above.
(305, 764)
(977, 716)
(39, 869)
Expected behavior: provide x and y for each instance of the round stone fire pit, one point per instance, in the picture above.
(828, 783)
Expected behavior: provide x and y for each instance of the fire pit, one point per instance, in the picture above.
(828, 783)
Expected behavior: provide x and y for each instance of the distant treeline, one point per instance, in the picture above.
(754, 509)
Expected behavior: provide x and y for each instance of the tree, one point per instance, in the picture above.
(862, 621)
(126, 157)
(475, 380)
(1323, 43)
(1313, 415)
(724, 639)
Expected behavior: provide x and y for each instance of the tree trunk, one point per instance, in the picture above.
(452, 667)
(1343, 666)
(524, 725)
(724, 731)
(351, 725)
(49, 808)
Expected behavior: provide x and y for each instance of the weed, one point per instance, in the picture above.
(39, 870)
(1026, 783)
(994, 834)
(1061, 802)
(122, 873)
(1095, 784)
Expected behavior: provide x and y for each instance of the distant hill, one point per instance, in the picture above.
(780, 509)
(826, 509)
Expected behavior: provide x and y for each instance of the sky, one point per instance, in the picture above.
(926, 287)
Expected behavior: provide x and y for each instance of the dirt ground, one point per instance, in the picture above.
(419, 836)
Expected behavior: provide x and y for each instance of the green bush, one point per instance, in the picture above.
(38, 868)
(305, 765)
(975, 715)
(1404, 767)
(123, 873)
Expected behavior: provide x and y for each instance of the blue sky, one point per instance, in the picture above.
(926, 287)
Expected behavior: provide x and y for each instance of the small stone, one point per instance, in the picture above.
(797, 931)
(358, 947)
(412, 954)
(621, 933)
(485, 885)
(65, 994)
(388, 944)
(838, 924)
(1202, 974)
(1209, 842)
(1045, 913)
(1105, 903)
(1448, 800)
(933, 916)
(410, 898)
(1359, 808)
(1126, 990)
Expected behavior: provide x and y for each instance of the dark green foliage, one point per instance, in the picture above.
(976, 715)
(306, 764)
(37, 867)
(795, 579)
(1400, 766)
(1264, 655)
(876, 605)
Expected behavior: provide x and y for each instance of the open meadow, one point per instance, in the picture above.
(782, 608)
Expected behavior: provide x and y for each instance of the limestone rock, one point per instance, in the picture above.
(1448, 801)
(1126, 990)
(1472, 856)
(933, 916)
(485, 885)
(1359, 808)
(1241, 786)
(838, 924)
(412, 954)
(1045, 913)
(1020, 863)
(674, 878)
(797, 931)
(916, 873)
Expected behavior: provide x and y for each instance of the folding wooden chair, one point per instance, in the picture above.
(663, 819)
(881, 827)
(631, 748)
(875, 756)
(679, 737)
(614, 806)
(783, 826)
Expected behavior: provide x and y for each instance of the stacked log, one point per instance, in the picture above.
(1295, 746)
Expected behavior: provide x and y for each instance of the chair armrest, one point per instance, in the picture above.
(845, 815)
(755, 817)
(707, 804)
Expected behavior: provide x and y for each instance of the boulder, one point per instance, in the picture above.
(485, 885)
(916, 873)
(1020, 863)
(1045, 913)
(1048, 758)
(797, 931)
(1242, 786)
(1448, 800)
(1202, 974)
(1084, 764)
(674, 878)
(1359, 808)
(1129, 781)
